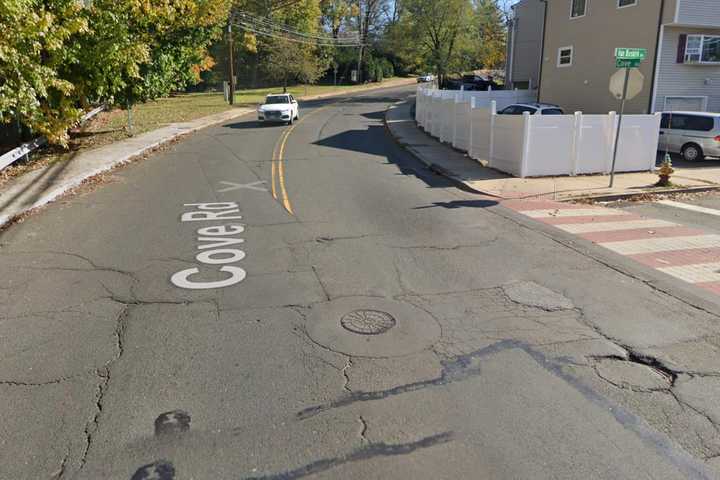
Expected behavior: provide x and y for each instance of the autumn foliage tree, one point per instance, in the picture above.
(59, 57)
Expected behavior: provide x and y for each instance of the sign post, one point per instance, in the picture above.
(627, 59)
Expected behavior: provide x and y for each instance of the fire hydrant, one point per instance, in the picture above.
(665, 171)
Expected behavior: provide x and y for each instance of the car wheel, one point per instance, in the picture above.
(692, 152)
(290, 122)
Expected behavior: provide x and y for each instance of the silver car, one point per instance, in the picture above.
(694, 135)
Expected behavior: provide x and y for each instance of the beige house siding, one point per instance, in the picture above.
(525, 40)
(583, 86)
(670, 11)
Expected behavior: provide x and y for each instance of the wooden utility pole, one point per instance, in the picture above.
(231, 69)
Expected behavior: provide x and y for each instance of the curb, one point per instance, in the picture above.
(626, 196)
(433, 167)
(182, 129)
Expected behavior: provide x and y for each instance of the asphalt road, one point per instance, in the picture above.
(277, 302)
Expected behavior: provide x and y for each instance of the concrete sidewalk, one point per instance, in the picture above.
(39, 187)
(479, 178)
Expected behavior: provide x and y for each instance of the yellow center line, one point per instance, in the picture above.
(274, 193)
(278, 170)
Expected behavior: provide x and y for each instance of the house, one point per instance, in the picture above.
(524, 44)
(682, 70)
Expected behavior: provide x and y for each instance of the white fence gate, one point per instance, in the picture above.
(535, 145)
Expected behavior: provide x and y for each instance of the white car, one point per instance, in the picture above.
(533, 108)
(425, 78)
(281, 107)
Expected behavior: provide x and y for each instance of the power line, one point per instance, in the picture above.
(267, 24)
(267, 27)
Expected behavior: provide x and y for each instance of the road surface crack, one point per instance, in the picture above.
(346, 376)
(322, 285)
(363, 429)
(104, 374)
(369, 451)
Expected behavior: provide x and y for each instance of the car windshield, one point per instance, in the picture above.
(277, 99)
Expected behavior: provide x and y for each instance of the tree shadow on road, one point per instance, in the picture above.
(375, 140)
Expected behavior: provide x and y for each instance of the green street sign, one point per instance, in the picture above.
(631, 53)
(627, 63)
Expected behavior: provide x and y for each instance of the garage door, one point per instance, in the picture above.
(685, 104)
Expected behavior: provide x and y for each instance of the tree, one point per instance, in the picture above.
(292, 61)
(35, 43)
(491, 32)
(59, 57)
(141, 50)
(441, 32)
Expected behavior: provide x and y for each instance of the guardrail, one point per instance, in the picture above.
(25, 149)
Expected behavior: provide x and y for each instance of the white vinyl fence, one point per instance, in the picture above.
(535, 145)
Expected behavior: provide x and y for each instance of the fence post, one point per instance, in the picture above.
(612, 131)
(453, 134)
(470, 120)
(653, 160)
(491, 149)
(527, 119)
(577, 138)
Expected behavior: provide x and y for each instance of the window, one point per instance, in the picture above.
(626, 3)
(578, 8)
(695, 123)
(517, 110)
(685, 104)
(702, 49)
(565, 56)
(665, 120)
(523, 109)
(552, 111)
(700, 124)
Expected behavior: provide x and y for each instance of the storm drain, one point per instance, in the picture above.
(367, 322)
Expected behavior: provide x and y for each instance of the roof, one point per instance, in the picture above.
(277, 95)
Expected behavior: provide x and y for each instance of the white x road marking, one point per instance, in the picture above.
(237, 186)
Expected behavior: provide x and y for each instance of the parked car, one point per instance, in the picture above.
(476, 82)
(451, 84)
(425, 78)
(281, 107)
(694, 135)
(534, 108)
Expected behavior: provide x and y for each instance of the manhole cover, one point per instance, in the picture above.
(367, 322)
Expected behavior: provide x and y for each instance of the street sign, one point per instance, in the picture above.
(634, 86)
(625, 84)
(627, 63)
(631, 53)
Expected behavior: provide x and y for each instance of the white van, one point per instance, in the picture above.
(694, 135)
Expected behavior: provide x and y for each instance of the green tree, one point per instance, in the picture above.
(59, 57)
(491, 33)
(441, 31)
(35, 44)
